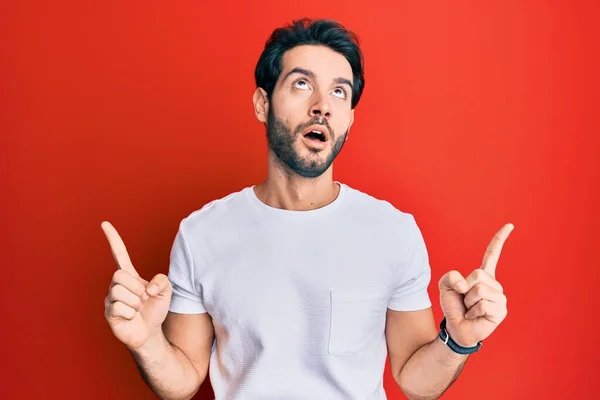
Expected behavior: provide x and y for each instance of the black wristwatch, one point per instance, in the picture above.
(452, 344)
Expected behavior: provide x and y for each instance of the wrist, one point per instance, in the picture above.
(454, 336)
(446, 336)
(155, 344)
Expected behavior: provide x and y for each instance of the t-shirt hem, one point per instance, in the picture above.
(415, 302)
(182, 305)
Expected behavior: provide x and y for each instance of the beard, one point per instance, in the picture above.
(281, 141)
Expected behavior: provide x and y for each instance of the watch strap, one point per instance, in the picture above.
(445, 337)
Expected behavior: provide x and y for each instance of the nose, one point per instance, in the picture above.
(320, 107)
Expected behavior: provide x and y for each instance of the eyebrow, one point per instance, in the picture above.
(310, 74)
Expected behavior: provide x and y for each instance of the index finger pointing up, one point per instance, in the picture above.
(492, 253)
(118, 248)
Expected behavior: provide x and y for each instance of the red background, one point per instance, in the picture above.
(473, 115)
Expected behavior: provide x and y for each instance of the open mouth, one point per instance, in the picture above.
(316, 135)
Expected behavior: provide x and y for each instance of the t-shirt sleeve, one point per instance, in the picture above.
(185, 299)
(415, 275)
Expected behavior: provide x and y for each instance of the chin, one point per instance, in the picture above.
(311, 150)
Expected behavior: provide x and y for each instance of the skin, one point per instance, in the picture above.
(296, 101)
(422, 365)
(172, 351)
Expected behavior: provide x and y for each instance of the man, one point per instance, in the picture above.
(300, 286)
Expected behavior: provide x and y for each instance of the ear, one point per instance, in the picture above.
(261, 104)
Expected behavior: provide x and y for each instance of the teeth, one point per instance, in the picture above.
(317, 135)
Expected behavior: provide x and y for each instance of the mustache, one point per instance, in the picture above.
(315, 121)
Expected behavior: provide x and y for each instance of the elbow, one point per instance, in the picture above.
(407, 388)
(185, 397)
(418, 397)
(409, 397)
(413, 396)
(191, 396)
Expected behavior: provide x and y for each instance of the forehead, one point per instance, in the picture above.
(324, 62)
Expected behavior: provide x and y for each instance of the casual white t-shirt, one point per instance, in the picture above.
(298, 299)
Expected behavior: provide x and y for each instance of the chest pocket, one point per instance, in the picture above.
(356, 317)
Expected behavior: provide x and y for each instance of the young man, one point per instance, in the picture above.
(300, 286)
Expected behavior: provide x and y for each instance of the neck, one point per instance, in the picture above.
(285, 190)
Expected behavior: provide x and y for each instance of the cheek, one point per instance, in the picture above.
(287, 110)
(290, 102)
(292, 118)
(343, 122)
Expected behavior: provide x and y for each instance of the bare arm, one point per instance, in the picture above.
(175, 363)
(172, 351)
(422, 365)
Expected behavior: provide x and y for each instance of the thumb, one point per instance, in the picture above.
(453, 281)
(160, 284)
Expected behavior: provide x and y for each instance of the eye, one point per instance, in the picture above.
(301, 84)
(340, 92)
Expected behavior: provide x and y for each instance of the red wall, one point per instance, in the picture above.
(474, 114)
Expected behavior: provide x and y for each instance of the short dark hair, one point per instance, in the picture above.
(315, 32)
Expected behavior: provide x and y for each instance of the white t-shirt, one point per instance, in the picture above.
(298, 299)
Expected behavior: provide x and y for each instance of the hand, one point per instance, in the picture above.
(475, 306)
(134, 308)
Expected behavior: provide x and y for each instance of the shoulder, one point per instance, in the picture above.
(215, 214)
(379, 211)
